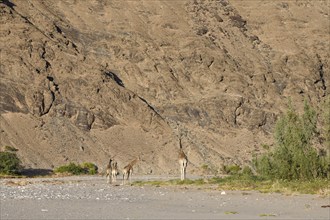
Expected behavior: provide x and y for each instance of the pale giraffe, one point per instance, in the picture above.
(128, 170)
(109, 171)
(183, 161)
(114, 172)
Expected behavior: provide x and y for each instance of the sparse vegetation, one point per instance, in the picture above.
(204, 166)
(267, 215)
(245, 182)
(231, 212)
(72, 168)
(325, 131)
(231, 169)
(10, 148)
(173, 182)
(265, 146)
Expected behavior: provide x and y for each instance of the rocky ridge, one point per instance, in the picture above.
(82, 81)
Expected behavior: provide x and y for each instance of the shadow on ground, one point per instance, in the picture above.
(36, 172)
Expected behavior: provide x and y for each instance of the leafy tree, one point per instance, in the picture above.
(294, 157)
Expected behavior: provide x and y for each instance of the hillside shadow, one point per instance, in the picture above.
(8, 3)
(36, 172)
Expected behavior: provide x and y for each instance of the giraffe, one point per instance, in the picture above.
(109, 171)
(128, 170)
(114, 172)
(183, 161)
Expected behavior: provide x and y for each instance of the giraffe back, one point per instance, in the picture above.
(182, 155)
(131, 164)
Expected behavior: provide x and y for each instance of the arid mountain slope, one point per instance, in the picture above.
(83, 80)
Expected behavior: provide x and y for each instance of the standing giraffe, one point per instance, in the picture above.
(183, 161)
(114, 172)
(128, 170)
(109, 171)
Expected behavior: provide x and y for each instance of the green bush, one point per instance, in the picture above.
(231, 169)
(326, 123)
(90, 168)
(294, 157)
(72, 168)
(9, 163)
(246, 171)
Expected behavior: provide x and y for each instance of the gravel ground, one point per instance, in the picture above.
(90, 197)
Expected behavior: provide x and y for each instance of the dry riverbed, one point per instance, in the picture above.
(90, 197)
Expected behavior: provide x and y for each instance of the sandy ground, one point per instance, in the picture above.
(90, 197)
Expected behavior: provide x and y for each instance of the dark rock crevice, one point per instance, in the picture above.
(42, 101)
(114, 77)
(320, 70)
(152, 108)
(237, 112)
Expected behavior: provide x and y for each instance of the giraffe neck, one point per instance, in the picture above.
(133, 162)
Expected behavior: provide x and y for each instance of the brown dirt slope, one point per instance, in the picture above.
(83, 80)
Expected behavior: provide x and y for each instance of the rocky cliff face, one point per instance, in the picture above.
(83, 80)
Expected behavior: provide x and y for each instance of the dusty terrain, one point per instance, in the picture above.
(85, 80)
(91, 198)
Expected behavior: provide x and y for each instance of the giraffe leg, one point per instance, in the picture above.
(113, 177)
(108, 178)
(184, 173)
(181, 171)
(130, 175)
(184, 170)
(127, 176)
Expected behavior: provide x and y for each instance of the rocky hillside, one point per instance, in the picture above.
(85, 80)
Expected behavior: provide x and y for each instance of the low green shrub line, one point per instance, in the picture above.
(77, 169)
(251, 183)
